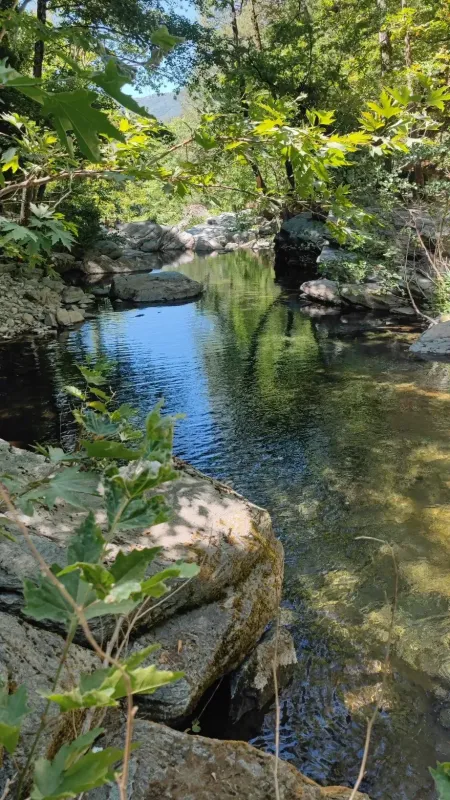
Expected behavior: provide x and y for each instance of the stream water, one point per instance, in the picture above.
(339, 436)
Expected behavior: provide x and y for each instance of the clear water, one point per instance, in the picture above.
(339, 437)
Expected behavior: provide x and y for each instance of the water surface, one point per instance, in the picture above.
(339, 437)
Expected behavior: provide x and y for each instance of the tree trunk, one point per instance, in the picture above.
(256, 27)
(384, 40)
(25, 210)
(41, 15)
(260, 182)
(408, 54)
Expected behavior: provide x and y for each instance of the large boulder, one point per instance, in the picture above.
(322, 290)
(207, 244)
(369, 295)
(108, 247)
(434, 342)
(302, 230)
(158, 287)
(335, 257)
(209, 641)
(171, 765)
(67, 317)
(30, 656)
(209, 625)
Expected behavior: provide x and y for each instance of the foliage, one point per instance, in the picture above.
(441, 776)
(119, 468)
(45, 229)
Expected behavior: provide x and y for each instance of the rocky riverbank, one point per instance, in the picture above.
(207, 628)
(35, 305)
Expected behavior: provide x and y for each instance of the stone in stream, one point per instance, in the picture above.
(433, 342)
(252, 684)
(65, 317)
(160, 287)
(369, 295)
(213, 621)
(323, 290)
(171, 765)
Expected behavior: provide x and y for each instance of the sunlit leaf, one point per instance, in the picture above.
(13, 710)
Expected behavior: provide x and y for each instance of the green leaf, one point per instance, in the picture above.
(74, 112)
(93, 377)
(125, 513)
(13, 710)
(99, 424)
(74, 770)
(71, 485)
(141, 513)
(205, 140)
(100, 393)
(438, 97)
(5, 534)
(123, 591)
(326, 117)
(87, 543)
(102, 609)
(43, 600)
(105, 687)
(133, 565)
(95, 575)
(75, 392)
(106, 449)
(268, 126)
(112, 80)
(164, 40)
(137, 658)
(441, 777)
(31, 87)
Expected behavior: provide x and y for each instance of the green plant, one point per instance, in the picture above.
(31, 242)
(118, 468)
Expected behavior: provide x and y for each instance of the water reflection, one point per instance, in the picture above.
(339, 437)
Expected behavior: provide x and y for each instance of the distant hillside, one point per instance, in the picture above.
(163, 106)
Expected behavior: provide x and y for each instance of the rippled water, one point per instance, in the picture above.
(339, 437)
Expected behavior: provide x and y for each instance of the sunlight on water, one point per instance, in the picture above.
(340, 437)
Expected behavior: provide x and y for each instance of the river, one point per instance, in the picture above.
(339, 436)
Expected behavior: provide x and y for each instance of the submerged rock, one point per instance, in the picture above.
(252, 685)
(170, 765)
(433, 342)
(161, 287)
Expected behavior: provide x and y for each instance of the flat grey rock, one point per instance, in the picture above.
(160, 287)
(434, 342)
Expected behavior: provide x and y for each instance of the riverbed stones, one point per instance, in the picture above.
(171, 765)
(433, 342)
(207, 237)
(160, 287)
(34, 304)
